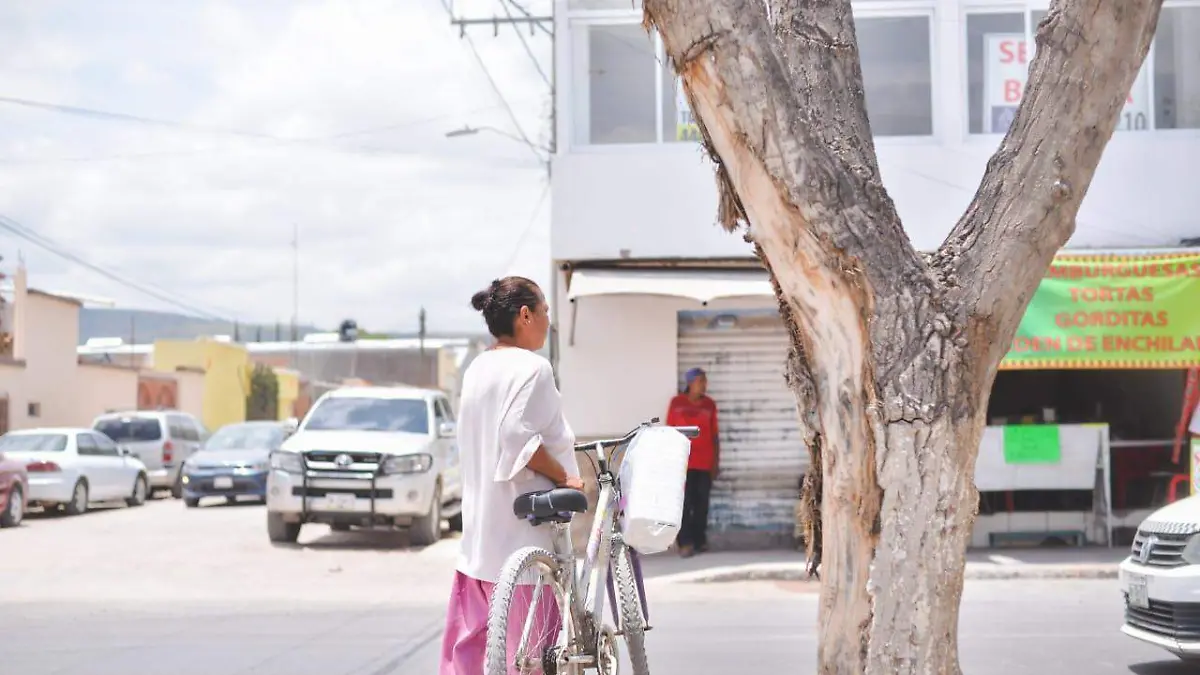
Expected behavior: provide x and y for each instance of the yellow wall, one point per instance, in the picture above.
(226, 375)
(289, 391)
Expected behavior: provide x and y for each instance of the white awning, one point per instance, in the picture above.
(700, 285)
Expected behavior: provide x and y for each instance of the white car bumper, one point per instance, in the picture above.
(162, 478)
(1162, 605)
(396, 497)
(50, 488)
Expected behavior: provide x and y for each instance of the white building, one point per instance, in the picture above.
(637, 252)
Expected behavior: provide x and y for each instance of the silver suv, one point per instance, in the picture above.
(162, 439)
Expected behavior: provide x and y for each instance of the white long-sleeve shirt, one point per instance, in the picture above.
(510, 406)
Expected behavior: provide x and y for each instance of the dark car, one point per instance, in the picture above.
(14, 491)
(232, 463)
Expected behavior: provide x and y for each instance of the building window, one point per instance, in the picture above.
(896, 56)
(1164, 95)
(997, 61)
(616, 71)
(34, 409)
(1176, 59)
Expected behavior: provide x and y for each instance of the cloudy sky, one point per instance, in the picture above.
(234, 122)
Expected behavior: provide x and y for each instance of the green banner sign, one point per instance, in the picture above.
(1110, 311)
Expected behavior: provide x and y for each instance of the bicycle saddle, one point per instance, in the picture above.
(550, 504)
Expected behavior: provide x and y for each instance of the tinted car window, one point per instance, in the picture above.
(33, 443)
(369, 414)
(187, 430)
(130, 429)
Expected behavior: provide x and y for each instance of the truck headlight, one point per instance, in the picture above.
(287, 461)
(1191, 552)
(408, 464)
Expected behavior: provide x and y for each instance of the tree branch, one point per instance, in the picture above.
(1088, 55)
(820, 49)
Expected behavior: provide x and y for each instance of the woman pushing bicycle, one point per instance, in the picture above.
(512, 440)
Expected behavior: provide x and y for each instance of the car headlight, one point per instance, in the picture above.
(1191, 552)
(408, 464)
(287, 461)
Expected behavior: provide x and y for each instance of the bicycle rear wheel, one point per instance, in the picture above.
(633, 622)
(527, 616)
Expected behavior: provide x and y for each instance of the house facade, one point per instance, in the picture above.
(646, 284)
(42, 380)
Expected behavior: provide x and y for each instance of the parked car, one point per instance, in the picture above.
(1161, 580)
(368, 457)
(162, 439)
(232, 463)
(14, 486)
(71, 468)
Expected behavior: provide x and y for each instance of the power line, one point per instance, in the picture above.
(328, 141)
(525, 43)
(500, 97)
(54, 248)
(537, 208)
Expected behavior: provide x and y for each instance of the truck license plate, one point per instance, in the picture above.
(339, 501)
(1139, 592)
(223, 482)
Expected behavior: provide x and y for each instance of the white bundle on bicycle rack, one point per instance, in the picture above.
(652, 475)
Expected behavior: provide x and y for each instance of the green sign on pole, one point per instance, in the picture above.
(1112, 311)
(1032, 444)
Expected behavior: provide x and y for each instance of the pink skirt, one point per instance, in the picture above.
(464, 645)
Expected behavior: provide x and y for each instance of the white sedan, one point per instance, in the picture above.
(74, 467)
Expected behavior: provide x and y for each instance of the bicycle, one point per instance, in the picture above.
(581, 641)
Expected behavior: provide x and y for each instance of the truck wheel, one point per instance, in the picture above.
(456, 523)
(281, 531)
(427, 529)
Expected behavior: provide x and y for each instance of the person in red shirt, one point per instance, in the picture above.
(693, 408)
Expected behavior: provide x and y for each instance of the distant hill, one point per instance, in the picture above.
(142, 326)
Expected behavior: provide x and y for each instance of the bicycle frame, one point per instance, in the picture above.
(588, 582)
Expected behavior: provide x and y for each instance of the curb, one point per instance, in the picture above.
(977, 572)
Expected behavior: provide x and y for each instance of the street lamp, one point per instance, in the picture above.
(468, 130)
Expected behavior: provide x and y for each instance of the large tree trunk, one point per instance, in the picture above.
(894, 354)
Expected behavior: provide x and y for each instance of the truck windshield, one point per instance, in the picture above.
(369, 414)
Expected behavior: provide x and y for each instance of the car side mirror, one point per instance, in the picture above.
(290, 426)
(447, 430)
(125, 452)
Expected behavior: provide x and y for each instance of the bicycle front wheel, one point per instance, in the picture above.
(529, 625)
(633, 622)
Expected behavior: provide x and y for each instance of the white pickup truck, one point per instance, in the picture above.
(1161, 580)
(369, 457)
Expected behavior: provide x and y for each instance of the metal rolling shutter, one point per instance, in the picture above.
(762, 458)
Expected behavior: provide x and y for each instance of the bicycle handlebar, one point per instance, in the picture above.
(690, 432)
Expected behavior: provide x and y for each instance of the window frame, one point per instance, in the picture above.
(579, 21)
(1028, 7)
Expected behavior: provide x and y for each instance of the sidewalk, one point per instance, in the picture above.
(782, 565)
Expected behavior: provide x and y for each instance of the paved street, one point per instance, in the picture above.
(166, 589)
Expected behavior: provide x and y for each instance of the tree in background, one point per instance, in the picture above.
(263, 401)
(893, 351)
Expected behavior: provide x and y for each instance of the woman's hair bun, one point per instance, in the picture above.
(480, 300)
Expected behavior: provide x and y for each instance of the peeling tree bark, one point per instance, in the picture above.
(893, 354)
